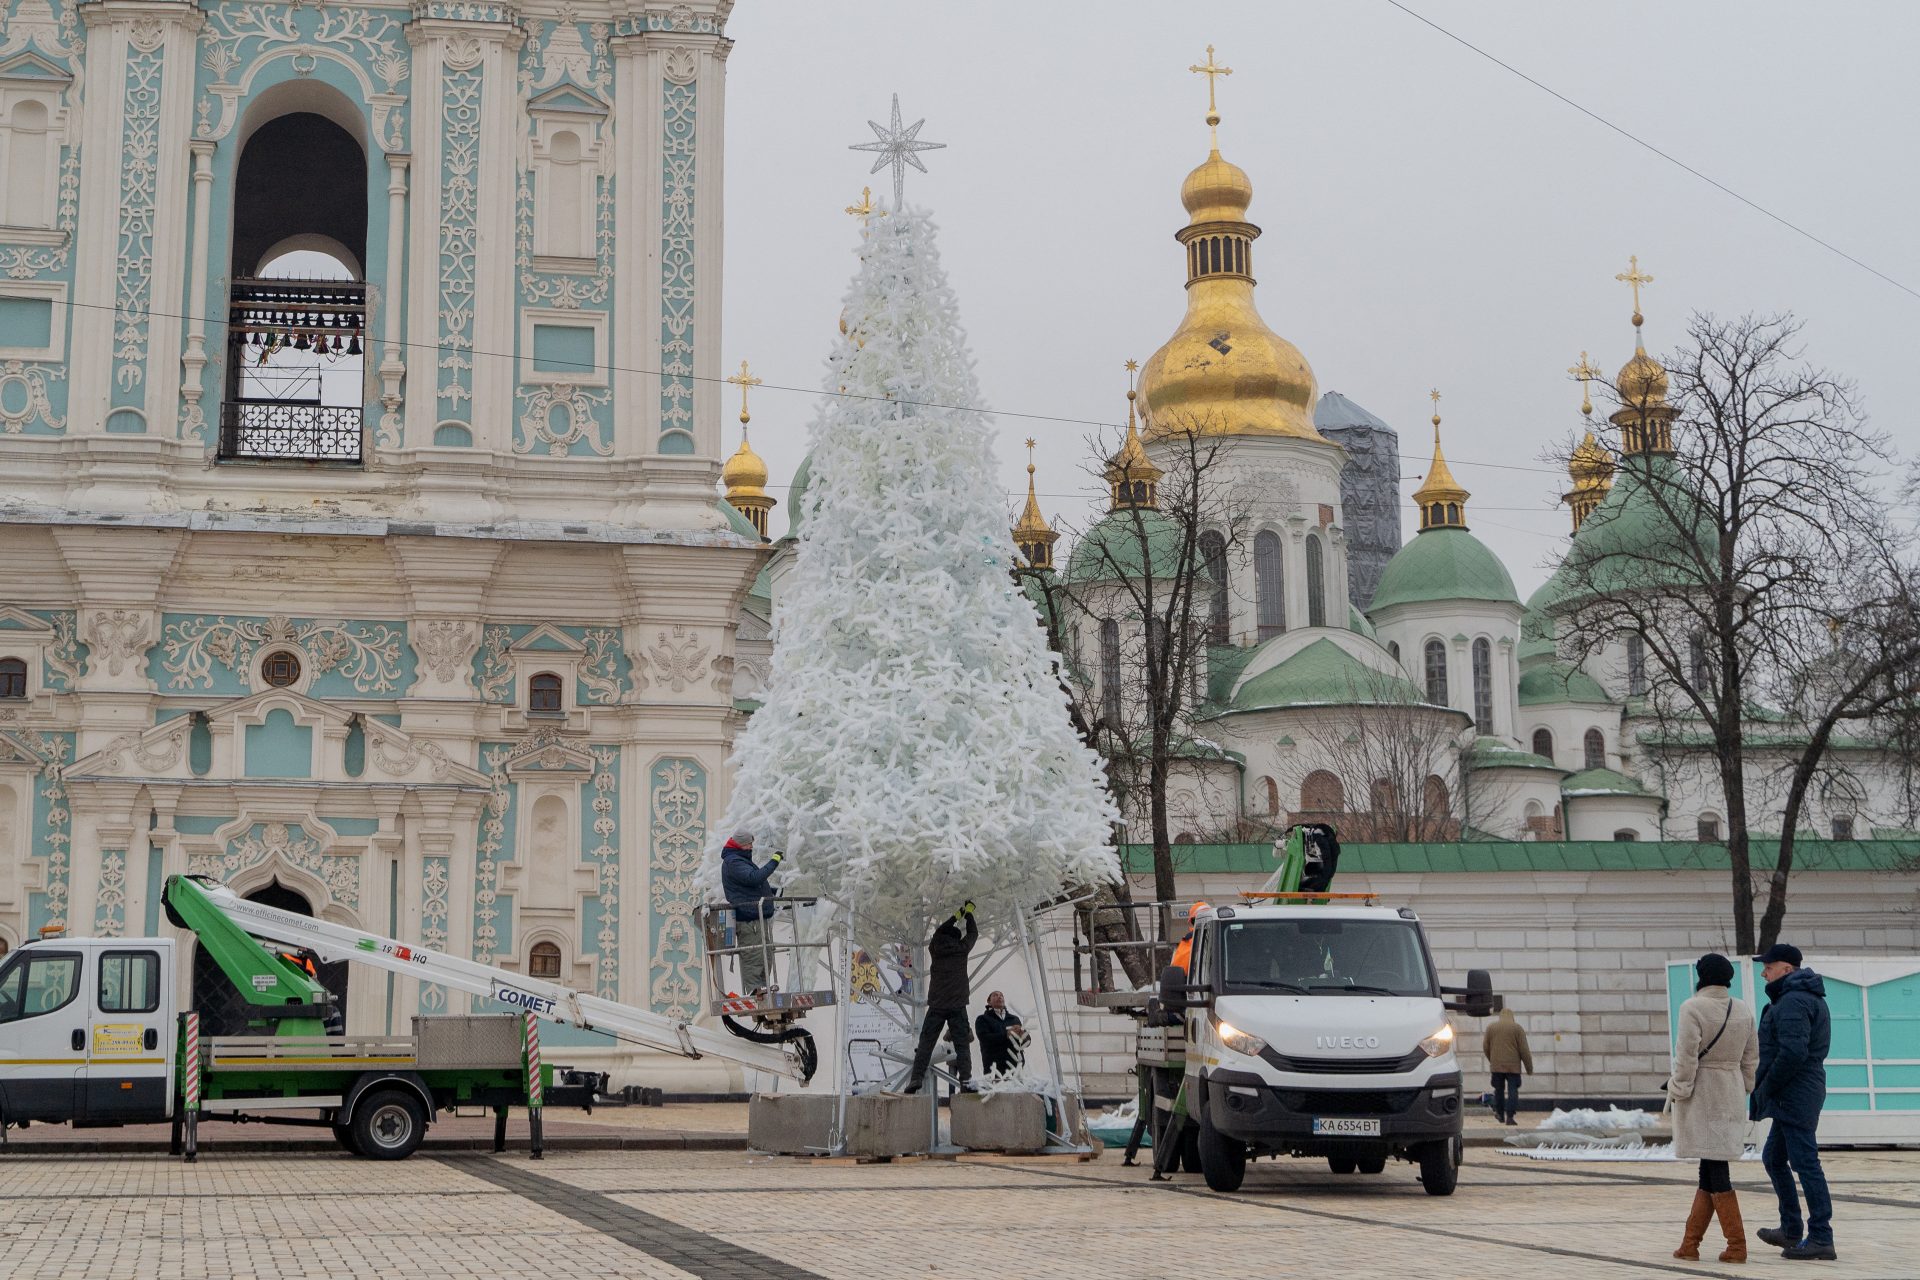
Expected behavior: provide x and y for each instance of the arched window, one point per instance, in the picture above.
(1453, 513)
(543, 694)
(1482, 686)
(1316, 584)
(1385, 796)
(1213, 559)
(281, 669)
(544, 961)
(29, 192)
(1543, 743)
(1436, 672)
(1626, 835)
(1596, 750)
(1636, 665)
(1110, 673)
(1393, 649)
(13, 678)
(1707, 828)
(1269, 584)
(1439, 803)
(1322, 793)
(1843, 828)
(1697, 661)
(1270, 791)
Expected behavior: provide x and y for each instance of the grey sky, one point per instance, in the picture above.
(1429, 219)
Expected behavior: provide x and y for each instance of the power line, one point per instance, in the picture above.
(1669, 158)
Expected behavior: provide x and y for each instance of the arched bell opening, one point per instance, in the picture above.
(297, 318)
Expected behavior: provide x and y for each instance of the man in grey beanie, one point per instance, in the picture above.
(745, 885)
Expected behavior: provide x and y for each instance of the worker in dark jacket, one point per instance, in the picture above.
(948, 993)
(1789, 1089)
(1002, 1037)
(745, 885)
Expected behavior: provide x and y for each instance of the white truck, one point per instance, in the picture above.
(1316, 1026)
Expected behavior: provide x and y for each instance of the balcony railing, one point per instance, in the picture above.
(286, 431)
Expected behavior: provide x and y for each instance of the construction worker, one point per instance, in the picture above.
(948, 992)
(1183, 953)
(745, 885)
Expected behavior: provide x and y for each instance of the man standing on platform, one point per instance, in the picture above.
(948, 993)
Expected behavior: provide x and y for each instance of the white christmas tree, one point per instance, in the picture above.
(913, 751)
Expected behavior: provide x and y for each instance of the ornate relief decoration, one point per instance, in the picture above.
(493, 670)
(367, 655)
(543, 402)
(443, 643)
(286, 845)
(561, 56)
(238, 38)
(605, 853)
(29, 262)
(600, 673)
(65, 660)
(677, 111)
(495, 847)
(118, 637)
(37, 38)
(564, 292)
(139, 178)
(464, 12)
(460, 100)
(677, 800)
(723, 675)
(675, 662)
(435, 876)
(154, 753)
(677, 17)
(110, 903)
(52, 820)
(23, 395)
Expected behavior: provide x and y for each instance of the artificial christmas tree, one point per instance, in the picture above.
(913, 751)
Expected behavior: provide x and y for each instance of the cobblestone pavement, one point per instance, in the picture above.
(731, 1216)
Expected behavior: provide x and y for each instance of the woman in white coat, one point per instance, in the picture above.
(1715, 1052)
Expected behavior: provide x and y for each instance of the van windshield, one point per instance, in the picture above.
(1324, 957)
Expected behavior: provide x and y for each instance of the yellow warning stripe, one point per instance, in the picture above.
(80, 1062)
(315, 1061)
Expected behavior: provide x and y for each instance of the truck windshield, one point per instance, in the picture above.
(1325, 957)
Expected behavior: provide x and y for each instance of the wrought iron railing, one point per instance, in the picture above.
(289, 431)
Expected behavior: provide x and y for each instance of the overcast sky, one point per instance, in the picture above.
(1429, 219)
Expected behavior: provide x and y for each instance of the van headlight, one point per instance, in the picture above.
(1440, 1041)
(1237, 1040)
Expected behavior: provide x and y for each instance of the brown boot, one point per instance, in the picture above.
(1727, 1205)
(1697, 1219)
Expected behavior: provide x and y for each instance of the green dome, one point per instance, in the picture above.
(1631, 540)
(802, 477)
(1112, 551)
(1559, 682)
(1443, 564)
(1357, 621)
(1324, 674)
(1537, 626)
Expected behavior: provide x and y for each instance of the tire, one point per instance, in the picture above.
(388, 1124)
(1190, 1148)
(1341, 1164)
(1373, 1163)
(1223, 1160)
(1439, 1174)
(343, 1135)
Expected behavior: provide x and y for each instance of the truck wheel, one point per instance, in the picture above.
(1190, 1149)
(1341, 1164)
(1222, 1159)
(1372, 1164)
(388, 1125)
(1438, 1172)
(343, 1134)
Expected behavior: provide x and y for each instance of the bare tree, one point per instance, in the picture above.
(1745, 562)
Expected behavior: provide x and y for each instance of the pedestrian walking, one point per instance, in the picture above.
(1715, 1055)
(1508, 1055)
(1002, 1037)
(1795, 1030)
(948, 994)
(745, 885)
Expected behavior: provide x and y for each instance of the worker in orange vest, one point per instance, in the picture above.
(1183, 954)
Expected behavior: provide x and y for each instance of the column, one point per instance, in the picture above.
(193, 414)
(393, 367)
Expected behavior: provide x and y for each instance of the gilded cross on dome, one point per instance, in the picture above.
(1212, 71)
(744, 380)
(1586, 371)
(1635, 277)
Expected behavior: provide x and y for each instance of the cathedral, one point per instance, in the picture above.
(360, 420)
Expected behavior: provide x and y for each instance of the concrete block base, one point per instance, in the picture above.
(801, 1124)
(1000, 1121)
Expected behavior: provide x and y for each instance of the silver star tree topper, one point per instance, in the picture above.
(896, 147)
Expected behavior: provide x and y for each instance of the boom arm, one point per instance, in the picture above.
(276, 989)
(547, 999)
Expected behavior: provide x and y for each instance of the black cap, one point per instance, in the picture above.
(1713, 970)
(1780, 951)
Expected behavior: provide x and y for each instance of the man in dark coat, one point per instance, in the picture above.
(745, 885)
(1002, 1036)
(948, 993)
(1789, 1089)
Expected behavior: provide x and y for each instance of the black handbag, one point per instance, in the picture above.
(1708, 1047)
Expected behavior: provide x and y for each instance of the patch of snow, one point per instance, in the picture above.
(1613, 1119)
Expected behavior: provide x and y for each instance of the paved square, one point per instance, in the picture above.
(732, 1216)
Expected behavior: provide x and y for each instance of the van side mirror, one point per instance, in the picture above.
(1480, 1000)
(1173, 988)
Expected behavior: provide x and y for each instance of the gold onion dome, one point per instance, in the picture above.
(1134, 479)
(1032, 534)
(1645, 418)
(745, 473)
(1442, 501)
(1224, 372)
(1591, 466)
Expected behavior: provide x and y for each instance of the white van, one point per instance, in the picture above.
(1321, 1029)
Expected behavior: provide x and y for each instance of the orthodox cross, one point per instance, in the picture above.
(1585, 371)
(896, 146)
(866, 208)
(1635, 277)
(743, 380)
(1212, 71)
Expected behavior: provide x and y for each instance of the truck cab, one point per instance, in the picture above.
(86, 1031)
(1320, 1029)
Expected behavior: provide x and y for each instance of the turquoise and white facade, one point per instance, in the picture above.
(442, 640)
